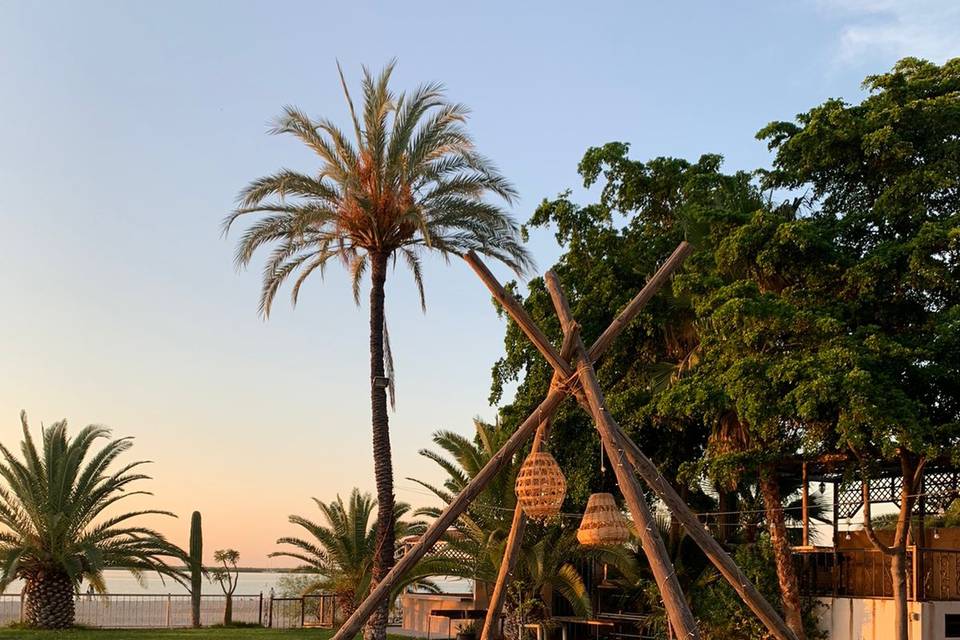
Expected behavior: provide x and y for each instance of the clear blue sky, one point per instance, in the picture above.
(127, 128)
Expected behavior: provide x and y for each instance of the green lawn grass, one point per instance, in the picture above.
(169, 634)
(172, 634)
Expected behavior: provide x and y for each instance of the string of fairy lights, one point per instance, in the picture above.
(574, 515)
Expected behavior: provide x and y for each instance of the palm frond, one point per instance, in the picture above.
(53, 503)
(409, 180)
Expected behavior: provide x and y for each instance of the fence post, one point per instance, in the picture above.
(260, 611)
(21, 605)
(303, 607)
(168, 610)
(270, 613)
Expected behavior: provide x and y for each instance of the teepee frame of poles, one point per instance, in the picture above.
(574, 376)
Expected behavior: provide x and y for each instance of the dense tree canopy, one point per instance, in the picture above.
(819, 313)
(883, 181)
(610, 248)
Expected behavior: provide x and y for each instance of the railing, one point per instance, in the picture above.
(941, 574)
(317, 610)
(861, 573)
(932, 574)
(129, 611)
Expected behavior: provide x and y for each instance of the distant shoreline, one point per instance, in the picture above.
(249, 569)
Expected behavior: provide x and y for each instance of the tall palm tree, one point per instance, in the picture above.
(51, 507)
(341, 552)
(408, 180)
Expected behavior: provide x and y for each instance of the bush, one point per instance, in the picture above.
(721, 613)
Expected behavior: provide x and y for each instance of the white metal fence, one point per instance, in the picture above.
(128, 611)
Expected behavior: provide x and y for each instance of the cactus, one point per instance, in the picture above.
(196, 567)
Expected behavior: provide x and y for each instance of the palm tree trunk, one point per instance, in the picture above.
(783, 557)
(376, 628)
(49, 600)
(726, 520)
(346, 605)
(228, 611)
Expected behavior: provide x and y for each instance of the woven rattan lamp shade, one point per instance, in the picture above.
(603, 524)
(541, 486)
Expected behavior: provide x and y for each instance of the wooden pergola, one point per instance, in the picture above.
(939, 486)
(574, 376)
(842, 569)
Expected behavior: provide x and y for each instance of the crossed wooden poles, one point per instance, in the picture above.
(627, 459)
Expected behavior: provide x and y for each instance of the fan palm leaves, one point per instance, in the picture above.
(405, 179)
(341, 549)
(548, 563)
(58, 508)
(489, 515)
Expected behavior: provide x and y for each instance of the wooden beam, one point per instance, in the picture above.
(511, 550)
(681, 619)
(449, 515)
(660, 278)
(805, 505)
(519, 315)
(651, 475)
(678, 611)
(711, 548)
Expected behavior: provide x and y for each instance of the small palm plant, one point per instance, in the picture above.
(484, 526)
(342, 551)
(57, 534)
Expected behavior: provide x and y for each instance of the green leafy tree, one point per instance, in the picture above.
(340, 552)
(765, 354)
(56, 531)
(707, 361)
(408, 180)
(609, 250)
(883, 181)
(226, 575)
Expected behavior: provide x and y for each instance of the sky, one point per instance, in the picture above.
(127, 129)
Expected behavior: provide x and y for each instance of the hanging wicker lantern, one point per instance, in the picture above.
(540, 486)
(603, 524)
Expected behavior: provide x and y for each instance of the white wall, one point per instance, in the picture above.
(873, 618)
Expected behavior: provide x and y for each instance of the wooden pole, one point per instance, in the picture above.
(919, 571)
(711, 548)
(453, 511)
(511, 551)
(678, 611)
(660, 278)
(805, 506)
(834, 487)
(519, 315)
(449, 515)
(491, 622)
